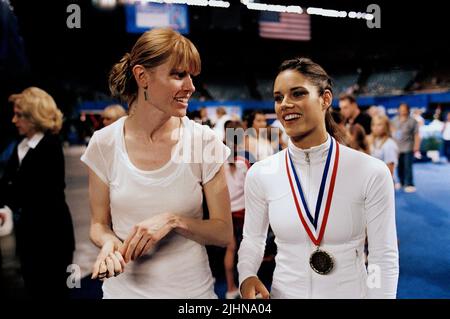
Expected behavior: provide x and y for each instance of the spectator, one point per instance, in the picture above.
(358, 139)
(219, 125)
(32, 187)
(446, 137)
(112, 113)
(383, 146)
(406, 134)
(204, 116)
(352, 113)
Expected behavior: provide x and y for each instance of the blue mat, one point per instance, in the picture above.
(423, 227)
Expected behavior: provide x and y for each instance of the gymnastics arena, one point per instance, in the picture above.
(382, 57)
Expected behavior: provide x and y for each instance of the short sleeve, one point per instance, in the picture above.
(94, 159)
(390, 152)
(415, 126)
(215, 154)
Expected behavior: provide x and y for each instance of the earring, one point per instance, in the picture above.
(145, 94)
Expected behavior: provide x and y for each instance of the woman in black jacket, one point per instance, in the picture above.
(32, 187)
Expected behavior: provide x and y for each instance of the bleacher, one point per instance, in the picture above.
(345, 83)
(265, 88)
(393, 81)
(228, 90)
(434, 79)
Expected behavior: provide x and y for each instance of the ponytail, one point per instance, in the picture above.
(121, 81)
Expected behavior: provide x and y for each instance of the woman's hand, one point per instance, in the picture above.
(147, 234)
(251, 287)
(109, 263)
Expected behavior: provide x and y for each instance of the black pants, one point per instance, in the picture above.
(45, 275)
(447, 149)
(404, 169)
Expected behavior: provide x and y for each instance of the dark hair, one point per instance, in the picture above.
(235, 142)
(319, 78)
(359, 138)
(405, 104)
(152, 49)
(252, 116)
(345, 96)
(337, 117)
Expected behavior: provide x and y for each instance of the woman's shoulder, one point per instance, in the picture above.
(50, 142)
(390, 143)
(109, 134)
(197, 128)
(354, 160)
(270, 166)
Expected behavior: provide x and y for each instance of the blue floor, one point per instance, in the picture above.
(423, 226)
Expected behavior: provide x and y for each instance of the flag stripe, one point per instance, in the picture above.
(288, 26)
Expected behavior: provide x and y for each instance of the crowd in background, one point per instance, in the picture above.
(395, 141)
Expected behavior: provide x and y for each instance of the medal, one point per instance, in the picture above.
(320, 261)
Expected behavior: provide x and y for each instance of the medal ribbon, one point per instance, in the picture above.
(314, 220)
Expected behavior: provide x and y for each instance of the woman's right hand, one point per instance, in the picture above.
(147, 234)
(109, 263)
(252, 286)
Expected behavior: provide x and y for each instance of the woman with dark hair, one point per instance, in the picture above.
(319, 197)
(358, 139)
(147, 172)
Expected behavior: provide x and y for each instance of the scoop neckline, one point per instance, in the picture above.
(175, 150)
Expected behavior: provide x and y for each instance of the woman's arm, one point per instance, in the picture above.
(256, 225)
(217, 230)
(109, 262)
(100, 231)
(391, 167)
(382, 235)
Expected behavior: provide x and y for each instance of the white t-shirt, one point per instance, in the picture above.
(387, 152)
(178, 267)
(363, 199)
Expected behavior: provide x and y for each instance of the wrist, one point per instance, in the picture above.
(180, 225)
(175, 221)
(248, 279)
(116, 243)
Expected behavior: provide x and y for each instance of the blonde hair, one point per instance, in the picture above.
(115, 112)
(39, 108)
(152, 49)
(386, 124)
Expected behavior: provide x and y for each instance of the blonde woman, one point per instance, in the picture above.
(32, 187)
(112, 113)
(146, 202)
(383, 146)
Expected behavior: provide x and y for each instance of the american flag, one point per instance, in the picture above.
(287, 26)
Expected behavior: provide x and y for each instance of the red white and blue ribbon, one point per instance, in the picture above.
(315, 224)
